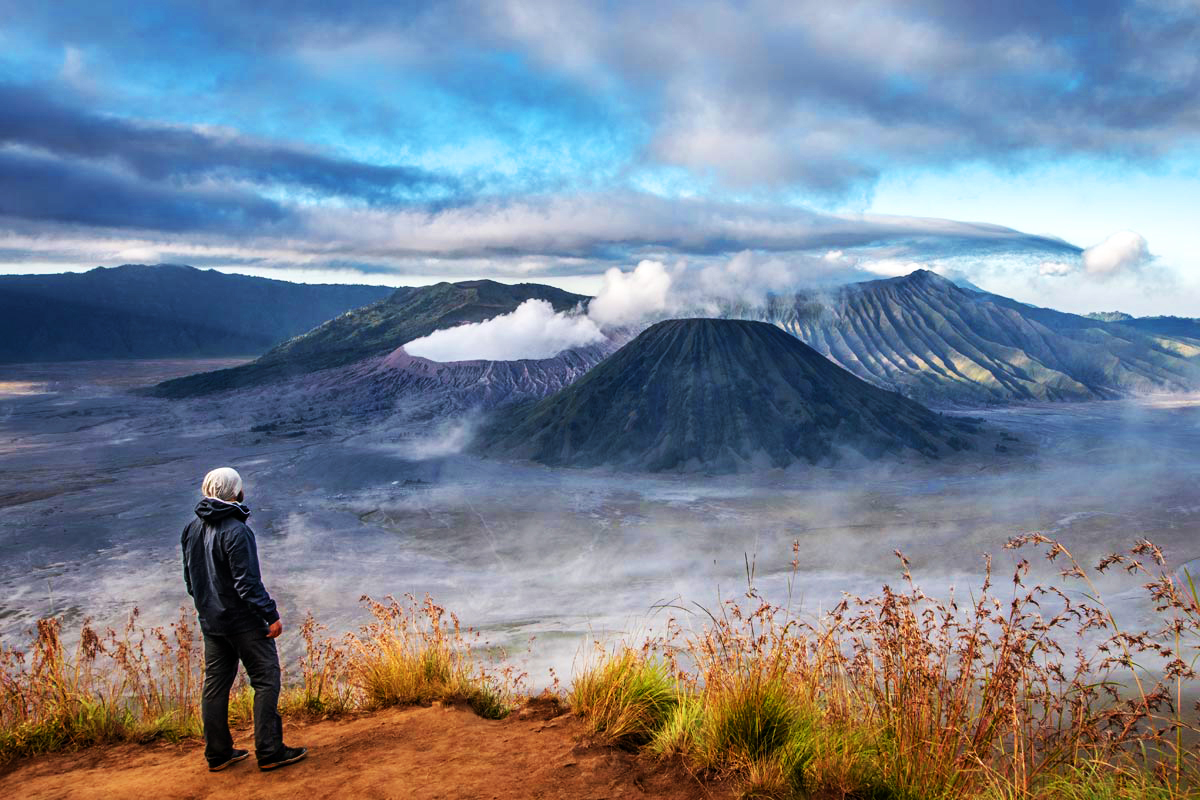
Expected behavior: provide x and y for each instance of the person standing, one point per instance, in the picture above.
(239, 621)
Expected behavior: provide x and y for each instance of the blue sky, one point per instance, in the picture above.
(1049, 151)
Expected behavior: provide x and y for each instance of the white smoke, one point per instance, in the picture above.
(746, 276)
(452, 437)
(628, 297)
(1120, 252)
(533, 330)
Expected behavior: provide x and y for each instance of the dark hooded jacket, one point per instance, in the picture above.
(220, 568)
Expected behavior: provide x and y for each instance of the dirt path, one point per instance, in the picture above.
(420, 753)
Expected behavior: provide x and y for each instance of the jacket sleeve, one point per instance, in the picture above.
(247, 580)
(187, 576)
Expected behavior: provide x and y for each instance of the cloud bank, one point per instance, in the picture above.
(540, 138)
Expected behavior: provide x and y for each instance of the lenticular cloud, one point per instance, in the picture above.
(533, 330)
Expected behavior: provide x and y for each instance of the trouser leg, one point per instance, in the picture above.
(220, 668)
(261, 659)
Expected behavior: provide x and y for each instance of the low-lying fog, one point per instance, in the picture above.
(96, 485)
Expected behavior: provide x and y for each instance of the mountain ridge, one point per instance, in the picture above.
(151, 311)
(936, 342)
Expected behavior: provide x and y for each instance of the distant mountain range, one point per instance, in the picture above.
(1183, 327)
(1178, 327)
(719, 395)
(161, 311)
(937, 342)
(376, 330)
(920, 335)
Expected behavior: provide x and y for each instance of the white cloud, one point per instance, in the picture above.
(627, 297)
(533, 330)
(747, 276)
(1055, 269)
(1120, 252)
(74, 70)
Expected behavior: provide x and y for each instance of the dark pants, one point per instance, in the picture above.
(221, 656)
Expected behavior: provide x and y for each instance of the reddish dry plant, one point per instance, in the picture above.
(136, 683)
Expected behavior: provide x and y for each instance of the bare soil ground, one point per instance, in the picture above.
(437, 752)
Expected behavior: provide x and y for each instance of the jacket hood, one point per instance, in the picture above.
(211, 510)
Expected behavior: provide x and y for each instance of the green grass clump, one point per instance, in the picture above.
(680, 730)
(627, 697)
(754, 725)
(752, 720)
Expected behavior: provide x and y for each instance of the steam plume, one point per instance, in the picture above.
(533, 330)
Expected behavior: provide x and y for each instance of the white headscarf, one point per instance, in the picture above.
(223, 483)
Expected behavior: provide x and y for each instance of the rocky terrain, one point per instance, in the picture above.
(419, 388)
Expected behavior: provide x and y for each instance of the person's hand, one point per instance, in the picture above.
(275, 629)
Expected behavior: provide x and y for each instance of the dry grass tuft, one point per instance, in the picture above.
(142, 683)
(133, 684)
(415, 653)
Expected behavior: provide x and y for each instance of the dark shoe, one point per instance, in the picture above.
(238, 755)
(288, 755)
